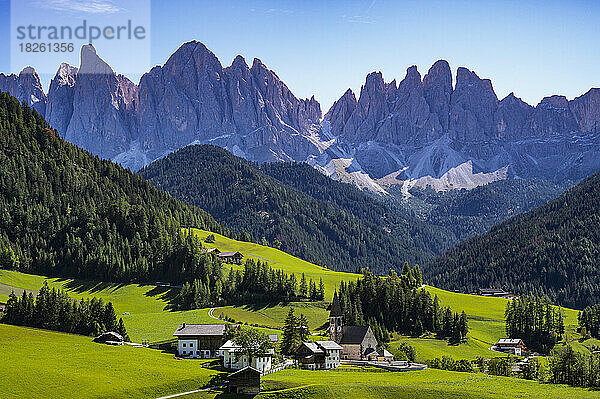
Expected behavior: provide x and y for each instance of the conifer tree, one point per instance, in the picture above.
(290, 339)
(303, 328)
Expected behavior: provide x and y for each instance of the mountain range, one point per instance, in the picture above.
(437, 130)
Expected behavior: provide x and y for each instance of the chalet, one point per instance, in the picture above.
(233, 360)
(319, 355)
(245, 381)
(515, 346)
(200, 341)
(231, 257)
(210, 251)
(379, 356)
(356, 341)
(496, 293)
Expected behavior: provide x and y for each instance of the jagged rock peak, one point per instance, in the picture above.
(28, 70)
(258, 64)
(556, 101)
(341, 110)
(66, 71)
(467, 77)
(412, 72)
(374, 79)
(91, 63)
(437, 85)
(239, 62)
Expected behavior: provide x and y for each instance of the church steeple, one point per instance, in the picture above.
(336, 323)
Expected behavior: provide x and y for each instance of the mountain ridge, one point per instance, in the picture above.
(422, 126)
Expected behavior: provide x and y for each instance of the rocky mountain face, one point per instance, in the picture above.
(419, 130)
(426, 131)
(26, 87)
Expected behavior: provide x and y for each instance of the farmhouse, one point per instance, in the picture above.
(231, 257)
(496, 293)
(245, 381)
(319, 355)
(515, 346)
(234, 360)
(201, 341)
(356, 341)
(210, 251)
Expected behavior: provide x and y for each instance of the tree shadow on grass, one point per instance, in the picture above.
(81, 286)
(164, 293)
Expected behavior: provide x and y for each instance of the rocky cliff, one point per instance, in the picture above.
(422, 129)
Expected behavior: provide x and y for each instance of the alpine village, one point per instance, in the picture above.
(204, 233)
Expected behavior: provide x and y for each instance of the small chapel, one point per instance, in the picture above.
(357, 341)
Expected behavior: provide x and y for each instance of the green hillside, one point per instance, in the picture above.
(277, 259)
(360, 232)
(67, 213)
(44, 364)
(70, 366)
(552, 250)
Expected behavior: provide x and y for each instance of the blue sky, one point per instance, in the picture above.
(534, 48)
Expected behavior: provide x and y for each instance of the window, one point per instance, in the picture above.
(197, 352)
(184, 345)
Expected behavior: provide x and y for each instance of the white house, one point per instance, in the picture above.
(319, 355)
(229, 350)
(333, 353)
(199, 341)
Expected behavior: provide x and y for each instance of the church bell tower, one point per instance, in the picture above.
(336, 320)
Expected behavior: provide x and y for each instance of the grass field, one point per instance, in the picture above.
(148, 316)
(70, 366)
(279, 260)
(349, 383)
(43, 364)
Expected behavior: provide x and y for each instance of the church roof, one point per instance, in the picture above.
(354, 334)
(336, 309)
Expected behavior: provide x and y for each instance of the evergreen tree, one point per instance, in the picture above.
(290, 339)
(303, 290)
(303, 328)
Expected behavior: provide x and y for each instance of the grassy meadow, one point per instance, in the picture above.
(88, 370)
(278, 260)
(45, 364)
(350, 383)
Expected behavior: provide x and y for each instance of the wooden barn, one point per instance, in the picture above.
(245, 381)
(231, 257)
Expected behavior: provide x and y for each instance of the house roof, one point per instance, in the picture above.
(354, 334)
(313, 347)
(370, 351)
(188, 330)
(245, 369)
(508, 341)
(329, 345)
(232, 346)
(228, 254)
(209, 250)
(385, 353)
(492, 291)
(336, 309)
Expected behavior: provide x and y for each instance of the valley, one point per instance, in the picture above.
(182, 219)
